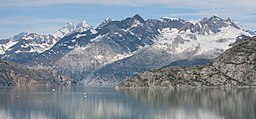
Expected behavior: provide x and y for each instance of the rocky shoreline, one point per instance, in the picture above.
(235, 67)
(13, 74)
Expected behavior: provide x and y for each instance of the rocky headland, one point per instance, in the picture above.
(235, 67)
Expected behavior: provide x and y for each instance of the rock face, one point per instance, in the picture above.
(13, 74)
(236, 67)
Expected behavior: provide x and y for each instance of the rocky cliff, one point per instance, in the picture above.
(235, 67)
(13, 74)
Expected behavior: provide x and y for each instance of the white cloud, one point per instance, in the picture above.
(172, 3)
(31, 20)
(223, 7)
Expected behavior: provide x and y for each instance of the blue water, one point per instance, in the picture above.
(108, 103)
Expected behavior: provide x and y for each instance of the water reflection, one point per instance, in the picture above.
(233, 103)
(107, 103)
(62, 103)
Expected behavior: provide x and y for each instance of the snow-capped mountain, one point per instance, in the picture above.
(23, 47)
(172, 45)
(5, 44)
(117, 49)
(82, 52)
(71, 27)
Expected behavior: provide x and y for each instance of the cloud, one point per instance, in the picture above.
(171, 3)
(14, 20)
(205, 7)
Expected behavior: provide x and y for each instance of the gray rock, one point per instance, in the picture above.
(236, 67)
(13, 74)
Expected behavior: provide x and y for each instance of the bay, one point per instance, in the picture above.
(109, 103)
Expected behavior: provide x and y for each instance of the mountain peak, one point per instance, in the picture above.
(71, 27)
(138, 17)
(107, 20)
(19, 36)
(215, 16)
(229, 19)
(82, 26)
(104, 23)
(66, 29)
(216, 19)
(69, 24)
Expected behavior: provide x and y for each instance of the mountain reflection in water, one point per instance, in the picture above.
(108, 103)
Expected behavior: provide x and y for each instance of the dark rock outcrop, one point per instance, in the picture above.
(13, 74)
(236, 67)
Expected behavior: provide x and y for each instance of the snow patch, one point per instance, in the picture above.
(27, 38)
(136, 23)
(79, 36)
(122, 56)
(99, 57)
(84, 24)
(6, 46)
(18, 51)
(174, 41)
(81, 48)
(70, 28)
(71, 47)
(93, 31)
(97, 39)
(170, 18)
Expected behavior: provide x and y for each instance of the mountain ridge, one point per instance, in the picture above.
(116, 49)
(85, 53)
(26, 46)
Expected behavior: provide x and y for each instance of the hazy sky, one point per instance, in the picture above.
(46, 16)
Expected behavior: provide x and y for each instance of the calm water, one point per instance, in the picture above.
(108, 103)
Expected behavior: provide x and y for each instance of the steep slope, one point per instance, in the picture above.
(26, 46)
(13, 74)
(117, 49)
(236, 67)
